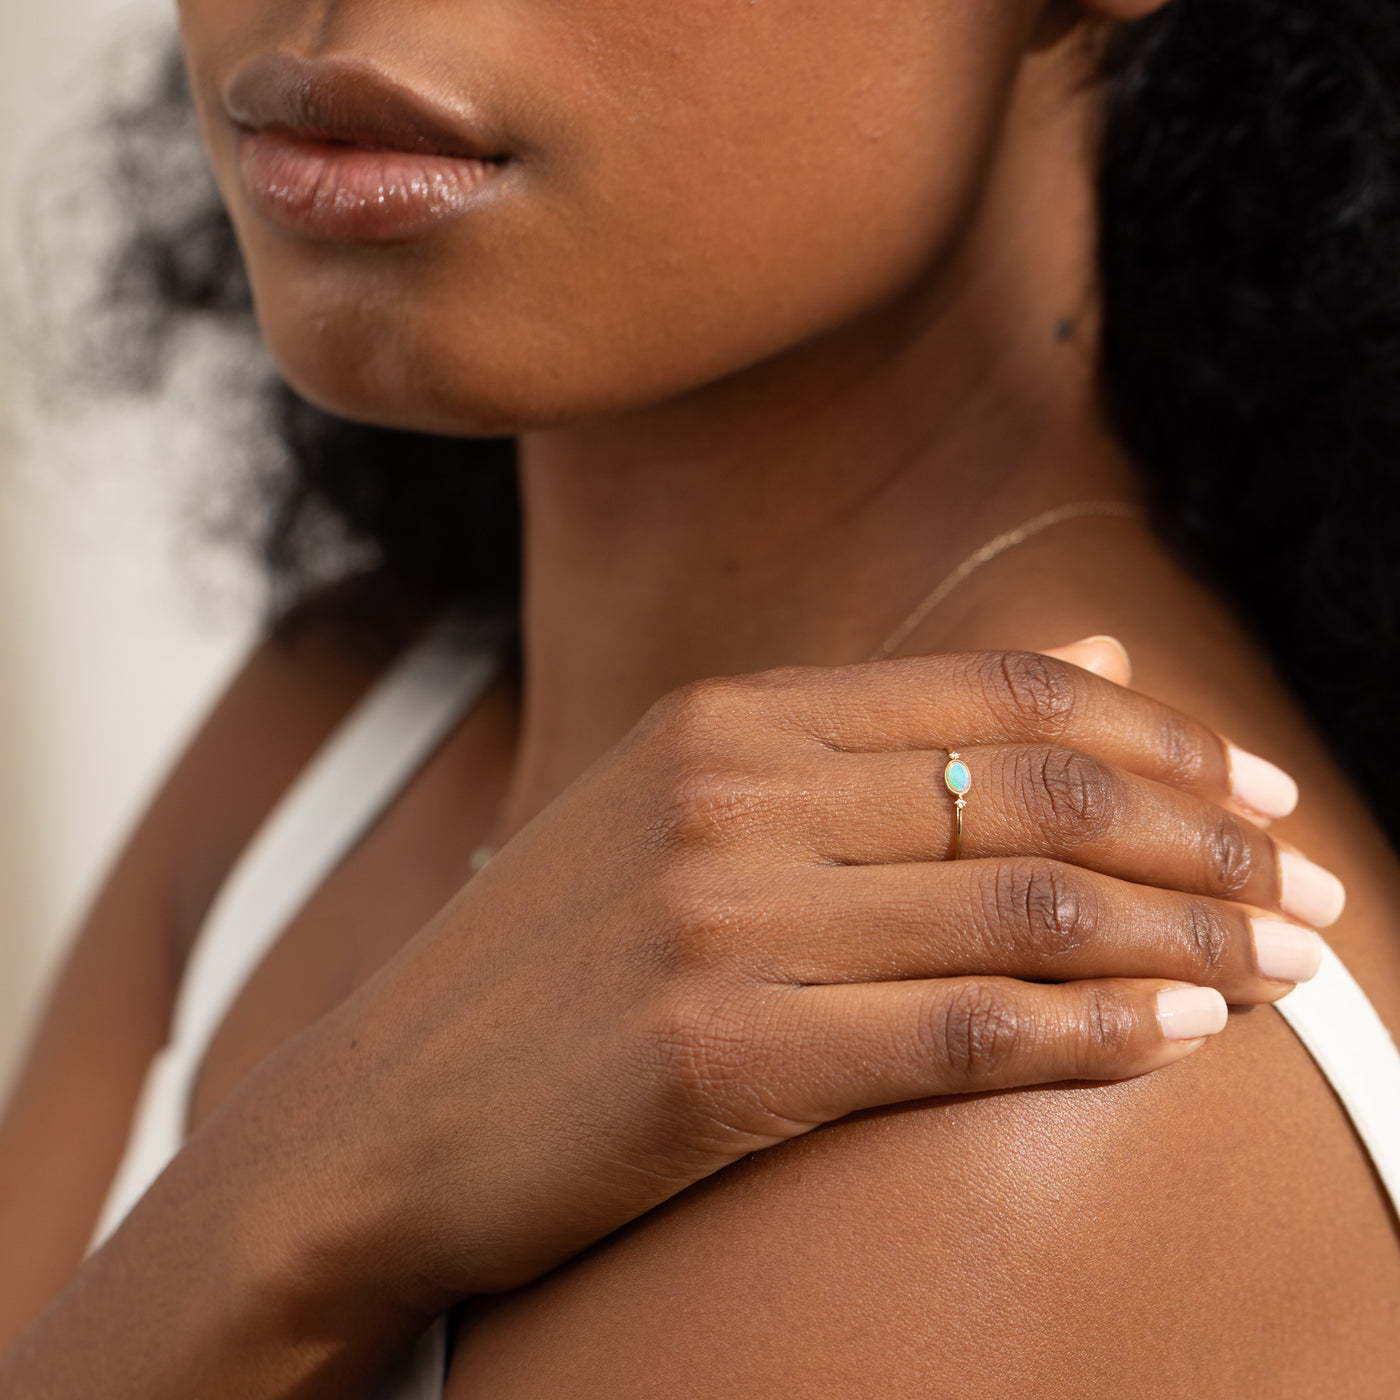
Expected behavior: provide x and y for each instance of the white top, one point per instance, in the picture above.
(368, 761)
(340, 795)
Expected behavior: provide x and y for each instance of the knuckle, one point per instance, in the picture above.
(709, 716)
(1228, 854)
(1107, 1024)
(1207, 937)
(687, 925)
(695, 1045)
(701, 1058)
(702, 712)
(703, 803)
(699, 925)
(977, 1029)
(1048, 911)
(1074, 797)
(1030, 694)
(1181, 749)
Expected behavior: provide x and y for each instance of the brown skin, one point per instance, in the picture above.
(757, 423)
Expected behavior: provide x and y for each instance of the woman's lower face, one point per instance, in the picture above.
(490, 215)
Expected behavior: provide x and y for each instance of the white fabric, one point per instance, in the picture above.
(335, 801)
(1335, 1020)
(369, 760)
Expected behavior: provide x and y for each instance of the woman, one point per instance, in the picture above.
(788, 309)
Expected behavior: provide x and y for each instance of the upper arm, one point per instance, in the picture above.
(66, 1125)
(1210, 1229)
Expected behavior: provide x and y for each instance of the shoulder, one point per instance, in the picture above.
(1212, 1229)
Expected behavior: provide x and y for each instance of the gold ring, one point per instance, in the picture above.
(957, 777)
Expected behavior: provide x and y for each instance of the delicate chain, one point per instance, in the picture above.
(990, 551)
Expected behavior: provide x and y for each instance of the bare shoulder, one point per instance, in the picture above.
(1210, 1230)
(108, 1013)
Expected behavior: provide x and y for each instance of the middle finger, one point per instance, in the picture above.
(1025, 918)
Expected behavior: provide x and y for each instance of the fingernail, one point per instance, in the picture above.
(1104, 641)
(1260, 785)
(1188, 1013)
(1285, 952)
(1308, 892)
(1104, 656)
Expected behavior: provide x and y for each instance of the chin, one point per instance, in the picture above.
(408, 378)
(463, 375)
(477, 407)
(464, 396)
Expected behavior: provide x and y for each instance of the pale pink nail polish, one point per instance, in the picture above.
(1107, 654)
(1308, 892)
(1189, 1013)
(1260, 785)
(1285, 952)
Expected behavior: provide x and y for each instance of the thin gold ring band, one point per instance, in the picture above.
(957, 778)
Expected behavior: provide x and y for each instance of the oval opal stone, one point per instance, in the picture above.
(958, 776)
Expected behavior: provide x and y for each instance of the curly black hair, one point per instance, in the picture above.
(1250, 267)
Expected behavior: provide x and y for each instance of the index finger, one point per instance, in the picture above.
(1022, 697)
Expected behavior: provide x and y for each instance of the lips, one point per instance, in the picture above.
(337, 152)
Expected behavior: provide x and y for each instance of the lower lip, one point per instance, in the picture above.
(352, 194)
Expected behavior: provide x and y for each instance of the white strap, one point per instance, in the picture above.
(337, 798)
(1335, 1020)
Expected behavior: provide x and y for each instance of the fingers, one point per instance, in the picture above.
(1047, 800)
(1057, 802)
(958, 701)
(1034, 919)
(835, 1050)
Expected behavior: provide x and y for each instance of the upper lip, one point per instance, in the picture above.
(324, 99)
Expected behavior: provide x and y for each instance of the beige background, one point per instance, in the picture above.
(113, 634)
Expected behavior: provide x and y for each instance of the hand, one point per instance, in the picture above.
(740, 925)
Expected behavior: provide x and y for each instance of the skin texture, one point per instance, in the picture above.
(764, 403)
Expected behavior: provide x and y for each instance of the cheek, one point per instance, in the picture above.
(703, 185)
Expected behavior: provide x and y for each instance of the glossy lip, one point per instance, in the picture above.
(335, 151)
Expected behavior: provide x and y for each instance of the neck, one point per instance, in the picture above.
(797, 512)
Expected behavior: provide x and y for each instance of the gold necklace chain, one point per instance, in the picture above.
(989, 551)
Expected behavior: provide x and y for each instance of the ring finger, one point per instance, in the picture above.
(1045, 800)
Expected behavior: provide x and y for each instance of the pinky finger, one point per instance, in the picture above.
(867, 1045)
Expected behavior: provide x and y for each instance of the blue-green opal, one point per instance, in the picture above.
(958, 776)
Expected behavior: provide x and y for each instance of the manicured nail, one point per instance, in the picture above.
(1260, 785)
(1107, 647)
(1285, 952)
(1104, 656)
(1308, 892)
(1188, 1013)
